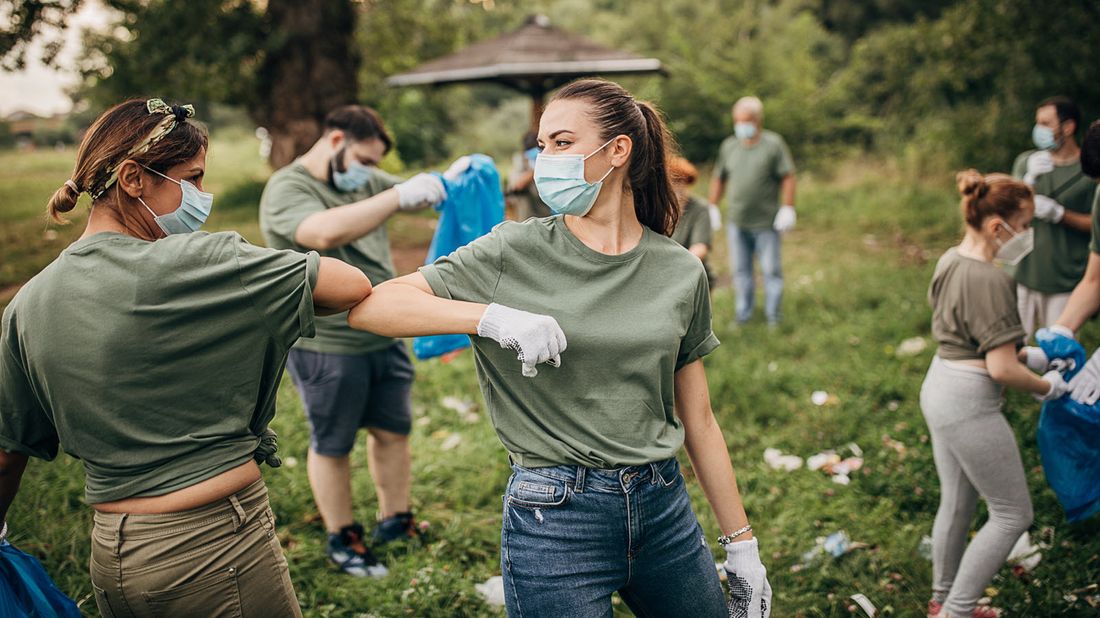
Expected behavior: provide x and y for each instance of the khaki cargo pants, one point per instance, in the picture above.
(222, 559)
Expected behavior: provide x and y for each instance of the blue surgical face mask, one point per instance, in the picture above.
(192, 212)
(1044, 139)
(355, 177)
(744, 130)
(561, 184)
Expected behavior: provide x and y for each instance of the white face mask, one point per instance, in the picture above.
(1015, 248)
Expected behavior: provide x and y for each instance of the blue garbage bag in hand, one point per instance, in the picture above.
(1069, 436)
(27, 591)
(474, 204)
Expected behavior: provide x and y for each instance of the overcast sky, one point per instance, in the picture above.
(41, 89)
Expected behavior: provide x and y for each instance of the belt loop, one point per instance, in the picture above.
(653, 473)
(118, 533)
(578, 483)
(241, 516)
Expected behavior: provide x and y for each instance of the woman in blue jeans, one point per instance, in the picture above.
(596, 503)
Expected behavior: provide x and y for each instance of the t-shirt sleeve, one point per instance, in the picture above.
(469, 273)
(699, 340)
(1094, 244)
(25, 427)
(784, 163)
(380, 181)
(285, 203)
(991, 314)
(1019, 166)
(720, 162)
(280, 284)
(701, 231)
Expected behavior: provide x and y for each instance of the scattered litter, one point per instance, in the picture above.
(895, 445)
(865, 604)
(492, 590)
(852, 446)
(925, 547)
(423, 421)
(1024, 556)
(820, 460)
(458, 405)
(290, 462)
(778, 461)
(893, 406)
(819, 398)
(835, 545)
(831, 463)
(911, 346)
(841, 479)
(451, 442)
(773, 367)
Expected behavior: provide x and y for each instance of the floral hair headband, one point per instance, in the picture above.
(173, 115)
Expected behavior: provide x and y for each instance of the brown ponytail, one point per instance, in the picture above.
(112, 139)
(618, 113)
(990, 195)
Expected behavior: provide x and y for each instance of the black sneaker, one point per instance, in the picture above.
(346, 550)
(401, 526)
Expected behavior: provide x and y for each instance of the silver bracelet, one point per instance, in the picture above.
(726, 539)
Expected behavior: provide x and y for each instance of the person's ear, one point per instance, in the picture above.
(620, 150)
(1069, 128)
(336, 139)
(130, 178)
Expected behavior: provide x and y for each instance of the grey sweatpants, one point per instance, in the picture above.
(976, 454)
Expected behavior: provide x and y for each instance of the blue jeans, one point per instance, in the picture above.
(744, 244)
(572, 536)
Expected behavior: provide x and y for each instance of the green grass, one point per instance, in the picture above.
(857, 269)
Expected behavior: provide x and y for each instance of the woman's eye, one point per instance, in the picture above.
(562, 143)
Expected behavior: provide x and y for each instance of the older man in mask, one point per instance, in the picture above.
(335, 200)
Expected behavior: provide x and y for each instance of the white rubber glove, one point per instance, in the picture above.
(4, 532)
(1048, 209)
(536, 338)
(715, 217)
(1058, 386)
(1038, 163)
(1037, 360)
(750, 592)
(1085, 386)
(456, 169)
(784, 219)
(1061, 330)
(420, 191)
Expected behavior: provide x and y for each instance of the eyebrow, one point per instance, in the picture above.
(559, 132)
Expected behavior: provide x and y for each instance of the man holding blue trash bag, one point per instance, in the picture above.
(335, 200)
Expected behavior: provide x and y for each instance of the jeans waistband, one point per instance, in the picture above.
(238, 507)
(622, 480)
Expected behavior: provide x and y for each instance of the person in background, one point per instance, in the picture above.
(521, 182)
(755, 172)
(153, 353)
(694, 230)
(596, 502)
(1063, 206)
(335, 200)
(978, 329)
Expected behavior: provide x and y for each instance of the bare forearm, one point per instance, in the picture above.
(1077, 221)
(339, 226)
(699, 250)
(706, 448)
(12, 466)
(788, 190)
(397, 309)
(716, 189)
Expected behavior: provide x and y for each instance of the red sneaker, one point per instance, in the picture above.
(934, 608)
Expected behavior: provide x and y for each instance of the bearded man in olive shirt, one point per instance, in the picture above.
(334, 200)
(1063, 206)
(754, 169)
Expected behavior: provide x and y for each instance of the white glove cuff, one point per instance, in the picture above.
(1058, 213)
(743, 550)
(1061, 330)
(489, 325)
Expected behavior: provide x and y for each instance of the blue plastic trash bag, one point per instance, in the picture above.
(1069, 436)
(27, 591)
(473, 206)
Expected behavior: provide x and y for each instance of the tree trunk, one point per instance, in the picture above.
(311, 66)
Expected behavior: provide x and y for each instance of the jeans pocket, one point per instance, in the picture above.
(536, 492)
(102, 602)
(215, 594)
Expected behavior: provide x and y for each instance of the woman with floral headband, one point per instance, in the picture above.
(153, 352)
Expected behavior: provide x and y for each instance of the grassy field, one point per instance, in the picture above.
(857, 269)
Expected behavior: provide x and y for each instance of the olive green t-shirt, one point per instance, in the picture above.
(1094, 244)
(630, 320)
(753, 177)
(694, 227)
(155, 363)
(1058, 260)
(291, 195)
(973, 307)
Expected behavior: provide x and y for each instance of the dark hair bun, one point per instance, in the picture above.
(971, 183)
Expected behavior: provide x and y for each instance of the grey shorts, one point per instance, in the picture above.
(343, 392)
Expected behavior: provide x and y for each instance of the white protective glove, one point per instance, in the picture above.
(456, 169)
(419, 192)
(1038, 163)
(1048, 209)
(785, 219)
(750, 592)
(1085, 386)
(4, 532)
(1036, 360)
(537, 338)
(1058, 386)
(715, 217)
